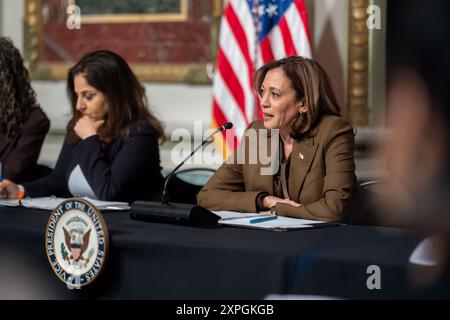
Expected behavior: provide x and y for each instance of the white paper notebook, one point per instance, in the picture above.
(50, 203)
(9, 203)
(239, 219)
(228, 215)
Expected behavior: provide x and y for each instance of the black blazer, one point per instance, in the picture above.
(20, 154)
(126, 170)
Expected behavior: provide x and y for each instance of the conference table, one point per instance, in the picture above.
(165, 261)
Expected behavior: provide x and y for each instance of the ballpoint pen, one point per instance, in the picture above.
(263, 219)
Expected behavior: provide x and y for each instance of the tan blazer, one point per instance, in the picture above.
(321, 175)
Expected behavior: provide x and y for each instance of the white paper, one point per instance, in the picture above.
(50, 203)
(46, 203)
(110, 205)
(9, 203)
(280, 223)
(227, 215)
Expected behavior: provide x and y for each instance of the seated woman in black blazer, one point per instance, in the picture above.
(111, 147)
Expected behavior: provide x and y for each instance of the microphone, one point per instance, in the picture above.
(164, 198)
(184, 213)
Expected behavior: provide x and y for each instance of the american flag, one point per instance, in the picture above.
(252, 32)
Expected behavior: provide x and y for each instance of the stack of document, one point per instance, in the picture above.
(9, 203)
(275, 223)
(50, 203)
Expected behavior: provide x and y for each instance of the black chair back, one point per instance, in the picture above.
(185, 184)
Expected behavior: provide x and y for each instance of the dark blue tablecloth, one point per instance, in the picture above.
(163, 261)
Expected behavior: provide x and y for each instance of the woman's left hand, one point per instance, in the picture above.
(271, 201)
(86, 127)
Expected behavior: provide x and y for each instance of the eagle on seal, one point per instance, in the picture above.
(76, 243)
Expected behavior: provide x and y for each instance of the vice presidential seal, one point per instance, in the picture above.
(77, 242)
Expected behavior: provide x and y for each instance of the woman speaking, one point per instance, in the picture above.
(316, 172)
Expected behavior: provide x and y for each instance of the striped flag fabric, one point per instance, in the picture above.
(252, 33)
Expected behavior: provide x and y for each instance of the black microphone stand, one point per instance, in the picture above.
(183, 213)
(165, 198)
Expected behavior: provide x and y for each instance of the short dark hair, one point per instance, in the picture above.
(110, 74)
(311, 84)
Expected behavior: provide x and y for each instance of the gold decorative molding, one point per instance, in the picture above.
(358, 55)
(136, 18)
(217, 8)
(192, 73)
(32, 32)
(217, 16)
(187, 73)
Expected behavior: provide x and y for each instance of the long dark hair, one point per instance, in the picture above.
(311, 84)
(17, 98)
(110, 74)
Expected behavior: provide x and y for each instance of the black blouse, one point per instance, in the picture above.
(125, 170)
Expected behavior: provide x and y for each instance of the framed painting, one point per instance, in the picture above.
(163, 41)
